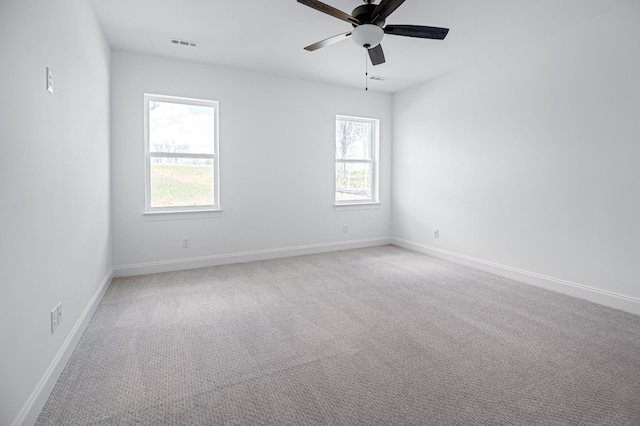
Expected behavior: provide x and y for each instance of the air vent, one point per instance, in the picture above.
(377, 78)
(184, 42)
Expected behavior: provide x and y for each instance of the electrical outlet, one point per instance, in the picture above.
(186, 242)
(54, 319)
(59, 309)
(436, 233)
(345, 228)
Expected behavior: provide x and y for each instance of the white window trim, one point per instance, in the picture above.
(354, 207)
(375, 199)
(172, 211)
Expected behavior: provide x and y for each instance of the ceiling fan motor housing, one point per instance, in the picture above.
(364, 14)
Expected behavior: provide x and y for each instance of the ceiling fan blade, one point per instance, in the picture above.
(384, 9)
(328, 41)
(417, 31)
(376, 55)
(330, 10)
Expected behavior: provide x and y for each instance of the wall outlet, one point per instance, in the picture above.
(436, 233)
(54, 319)
(345, 228)
(186, 242)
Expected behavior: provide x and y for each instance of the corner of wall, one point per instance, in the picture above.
(31, 410)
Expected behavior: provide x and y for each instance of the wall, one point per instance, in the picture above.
(277, 163)
(55, 243)
(528, 162)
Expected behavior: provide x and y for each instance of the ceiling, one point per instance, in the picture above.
(269, 36)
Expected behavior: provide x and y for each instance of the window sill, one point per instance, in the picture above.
(180, 215)
(356, 206)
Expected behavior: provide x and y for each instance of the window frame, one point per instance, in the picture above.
(148, 155)
(374, 162)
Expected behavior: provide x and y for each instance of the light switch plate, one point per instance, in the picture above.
(49, 80)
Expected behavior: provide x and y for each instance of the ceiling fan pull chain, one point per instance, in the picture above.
(366, 71)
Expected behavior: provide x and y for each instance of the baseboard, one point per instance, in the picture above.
(31, 410)
(241, 257)
(602, 297)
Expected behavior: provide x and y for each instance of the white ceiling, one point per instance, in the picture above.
(268, 36)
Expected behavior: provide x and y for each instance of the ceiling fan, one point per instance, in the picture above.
(369, 28)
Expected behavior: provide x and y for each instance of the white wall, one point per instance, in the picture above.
(276, 151)
(55, 243)
(531, 159)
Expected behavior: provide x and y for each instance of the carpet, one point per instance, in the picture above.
(371, 336)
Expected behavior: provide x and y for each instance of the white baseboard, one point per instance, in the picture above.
(31, 410)
(241, 257)
(602, 297)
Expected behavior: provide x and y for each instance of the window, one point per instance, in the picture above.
(356, 160)
(181, 154)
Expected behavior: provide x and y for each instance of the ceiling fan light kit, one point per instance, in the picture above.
(367, 35)
(368, 21)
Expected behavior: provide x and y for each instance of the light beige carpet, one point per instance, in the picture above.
(372, 336)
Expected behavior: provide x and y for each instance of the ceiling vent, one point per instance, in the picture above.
(377, 78)
(184, 42)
